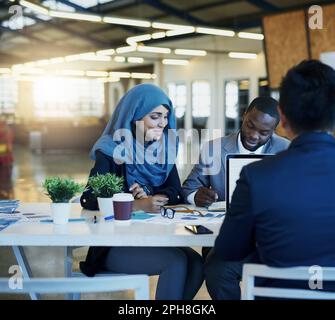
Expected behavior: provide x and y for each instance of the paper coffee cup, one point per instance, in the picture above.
(123, 206)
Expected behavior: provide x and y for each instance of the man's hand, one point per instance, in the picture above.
(204, 197)
(137, 191)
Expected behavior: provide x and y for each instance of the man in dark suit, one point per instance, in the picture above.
(282, 212)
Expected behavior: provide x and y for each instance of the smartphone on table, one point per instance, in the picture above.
(198, 229)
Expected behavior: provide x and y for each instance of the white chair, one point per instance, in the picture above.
(129, 280)
(250, 271)
(139, 283)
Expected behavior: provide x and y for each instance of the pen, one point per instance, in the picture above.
(95, 219)
(210, 187)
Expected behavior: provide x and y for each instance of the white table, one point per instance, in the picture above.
(87, 233)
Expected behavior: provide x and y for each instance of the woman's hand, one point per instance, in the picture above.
(151, 203)
(137, 191)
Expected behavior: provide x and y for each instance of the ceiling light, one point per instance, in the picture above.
(135, 60)
(93, 57)
(127, 22)
(178, 32)
(169, 26)
(34, 7)
(242, 55)
(175, 62)
(97, 73)
(249, 35)
(126, 49)
(72, 73)
(216, 32)
(140, 75)
(116, 74)
(106, 52)
(189, 52)
(133, 40)
(153, 49)
(119, 59)
(75, 16)
(158, 35)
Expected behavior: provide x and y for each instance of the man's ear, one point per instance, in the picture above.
(283, 120)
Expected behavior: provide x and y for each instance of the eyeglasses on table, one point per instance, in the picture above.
(169, 211)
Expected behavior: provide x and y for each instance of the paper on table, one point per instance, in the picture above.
(217, 206)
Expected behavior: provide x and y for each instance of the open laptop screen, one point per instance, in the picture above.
(234, 165)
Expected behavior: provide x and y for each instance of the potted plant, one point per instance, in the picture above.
(104, 186)
(61, 191)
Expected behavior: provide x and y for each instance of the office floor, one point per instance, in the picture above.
(23, 182)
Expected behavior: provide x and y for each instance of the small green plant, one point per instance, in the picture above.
(61, 189)
(106, 185)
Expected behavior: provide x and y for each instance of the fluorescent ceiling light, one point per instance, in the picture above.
(175, 62)
(140, 75)
(75, 16)
(116, 74)
(242, 55)
(108, 79)
(178, 32)
(34, 7)
(119, 59)
(135, 60)
(153, 49)
(97, 73)
(249, 35)
(189, 52)
(133, 40)
(94, 57)
(31, 71)
(126, 49)
(158, 35)
(216, 32)
(106, 52)
(73, 57)
(127, 22)
(169, 26)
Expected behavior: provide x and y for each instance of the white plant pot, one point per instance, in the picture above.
(106, 206)
(60, 212)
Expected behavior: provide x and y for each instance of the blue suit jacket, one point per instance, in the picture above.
(284, 207)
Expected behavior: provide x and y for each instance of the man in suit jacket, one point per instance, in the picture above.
(283, 207)
(206, 182)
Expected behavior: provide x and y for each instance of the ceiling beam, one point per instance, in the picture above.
(264, 5)
(172, 11)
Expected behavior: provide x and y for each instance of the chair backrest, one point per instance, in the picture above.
(250, 271)
(139, 283)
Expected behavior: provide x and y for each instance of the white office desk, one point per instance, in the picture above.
(87, 233)
(103, 233)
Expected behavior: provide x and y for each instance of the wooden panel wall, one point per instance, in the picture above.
(323, 40)
(285, 43)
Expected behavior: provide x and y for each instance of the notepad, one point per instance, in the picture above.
(217, 206)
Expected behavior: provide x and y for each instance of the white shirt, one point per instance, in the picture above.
(242, 150)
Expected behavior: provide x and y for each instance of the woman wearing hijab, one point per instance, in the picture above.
(140, 144)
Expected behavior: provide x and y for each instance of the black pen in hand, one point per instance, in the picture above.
(208, 187)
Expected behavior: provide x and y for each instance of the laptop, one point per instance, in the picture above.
(234, 165)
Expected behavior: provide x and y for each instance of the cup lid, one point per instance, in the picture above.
(123, 197)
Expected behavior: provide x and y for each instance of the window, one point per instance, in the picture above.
(236, 102)
(201, 103)
(8, 95)
(59, 97)
(178, 95)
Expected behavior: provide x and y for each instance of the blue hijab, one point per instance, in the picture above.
(134, 105)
